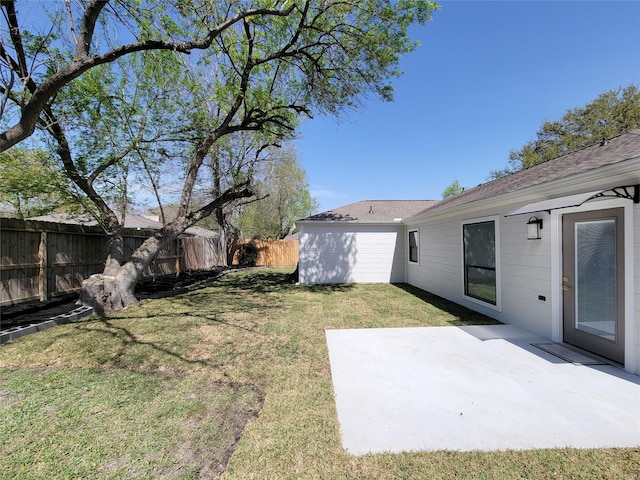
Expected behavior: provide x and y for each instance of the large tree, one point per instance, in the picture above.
(263, 63)
(614, 112)
(232, 161)
(454, 188)
(284, 198)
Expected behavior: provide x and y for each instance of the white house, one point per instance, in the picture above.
(575, 279)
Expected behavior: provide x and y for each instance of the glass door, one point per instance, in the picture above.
(593, 282)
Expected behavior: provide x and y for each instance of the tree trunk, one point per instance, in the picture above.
(114, 289)
(108, 293)
(222, 234)
(115, 255)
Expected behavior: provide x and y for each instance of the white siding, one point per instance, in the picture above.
(636, 263)
(525, 269)
(440, 259)
(352, 253)
(529, 269)
(526, 276)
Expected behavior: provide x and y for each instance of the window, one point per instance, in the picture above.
(479, 243)
(413, 246)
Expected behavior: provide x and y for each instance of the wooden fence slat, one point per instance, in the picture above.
(201, 253)
(43, 285)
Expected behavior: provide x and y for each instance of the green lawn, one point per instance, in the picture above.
(232, 378)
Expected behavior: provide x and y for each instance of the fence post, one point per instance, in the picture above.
(43, 286)
(177, 257)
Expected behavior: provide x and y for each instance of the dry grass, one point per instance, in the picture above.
(257, 330)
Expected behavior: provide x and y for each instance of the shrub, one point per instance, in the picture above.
(248, 254)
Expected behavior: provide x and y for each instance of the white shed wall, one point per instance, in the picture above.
(351, 253)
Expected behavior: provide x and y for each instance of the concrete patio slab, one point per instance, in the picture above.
(474, 388)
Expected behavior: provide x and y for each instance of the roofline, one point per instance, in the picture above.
(350, 222)
(607, 176)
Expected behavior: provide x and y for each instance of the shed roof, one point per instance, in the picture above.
(373, 211)
(615, 150)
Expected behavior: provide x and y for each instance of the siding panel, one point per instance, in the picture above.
(352, 253)
(525, 267)
(636, 263)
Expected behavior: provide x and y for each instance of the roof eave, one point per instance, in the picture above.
(607, 176)
(350, 222)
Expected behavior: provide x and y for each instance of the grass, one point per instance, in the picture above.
(233, 377)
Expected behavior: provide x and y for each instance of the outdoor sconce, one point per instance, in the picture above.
(534, 225)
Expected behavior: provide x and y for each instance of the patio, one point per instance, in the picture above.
(474, 388)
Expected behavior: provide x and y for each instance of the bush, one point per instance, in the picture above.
(248, 254)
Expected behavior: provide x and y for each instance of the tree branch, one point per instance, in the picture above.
(16, 38)
(82, 61)
(70, 18)
(239, 191)
(91, 14)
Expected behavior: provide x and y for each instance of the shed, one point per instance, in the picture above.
(361, 242)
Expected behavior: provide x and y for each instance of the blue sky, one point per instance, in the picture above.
(485, 78)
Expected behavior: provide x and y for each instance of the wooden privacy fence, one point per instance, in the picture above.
(271, 253)
(41, 260)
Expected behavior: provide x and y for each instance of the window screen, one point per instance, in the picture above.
(480, 261)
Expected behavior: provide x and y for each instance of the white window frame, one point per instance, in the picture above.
(417, 236)
(496, 225)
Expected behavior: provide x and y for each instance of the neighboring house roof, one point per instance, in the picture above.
(131, 221)
(372, 211)
(63, 218)
(197, 231)
(609, 152)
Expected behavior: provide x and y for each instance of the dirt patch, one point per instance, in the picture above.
(126, 424)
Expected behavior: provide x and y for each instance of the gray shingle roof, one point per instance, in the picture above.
(618, 149)
(373, 211)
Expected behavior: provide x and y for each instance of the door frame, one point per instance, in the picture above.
(555, 233)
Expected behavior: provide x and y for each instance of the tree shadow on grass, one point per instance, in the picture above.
(115, 341)
(242, 293)
(223, 405)
(269, 281)
(329, 288)
(126, 341)
(463, 315)
(250, 285)
(251, 294)
(260, 280)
